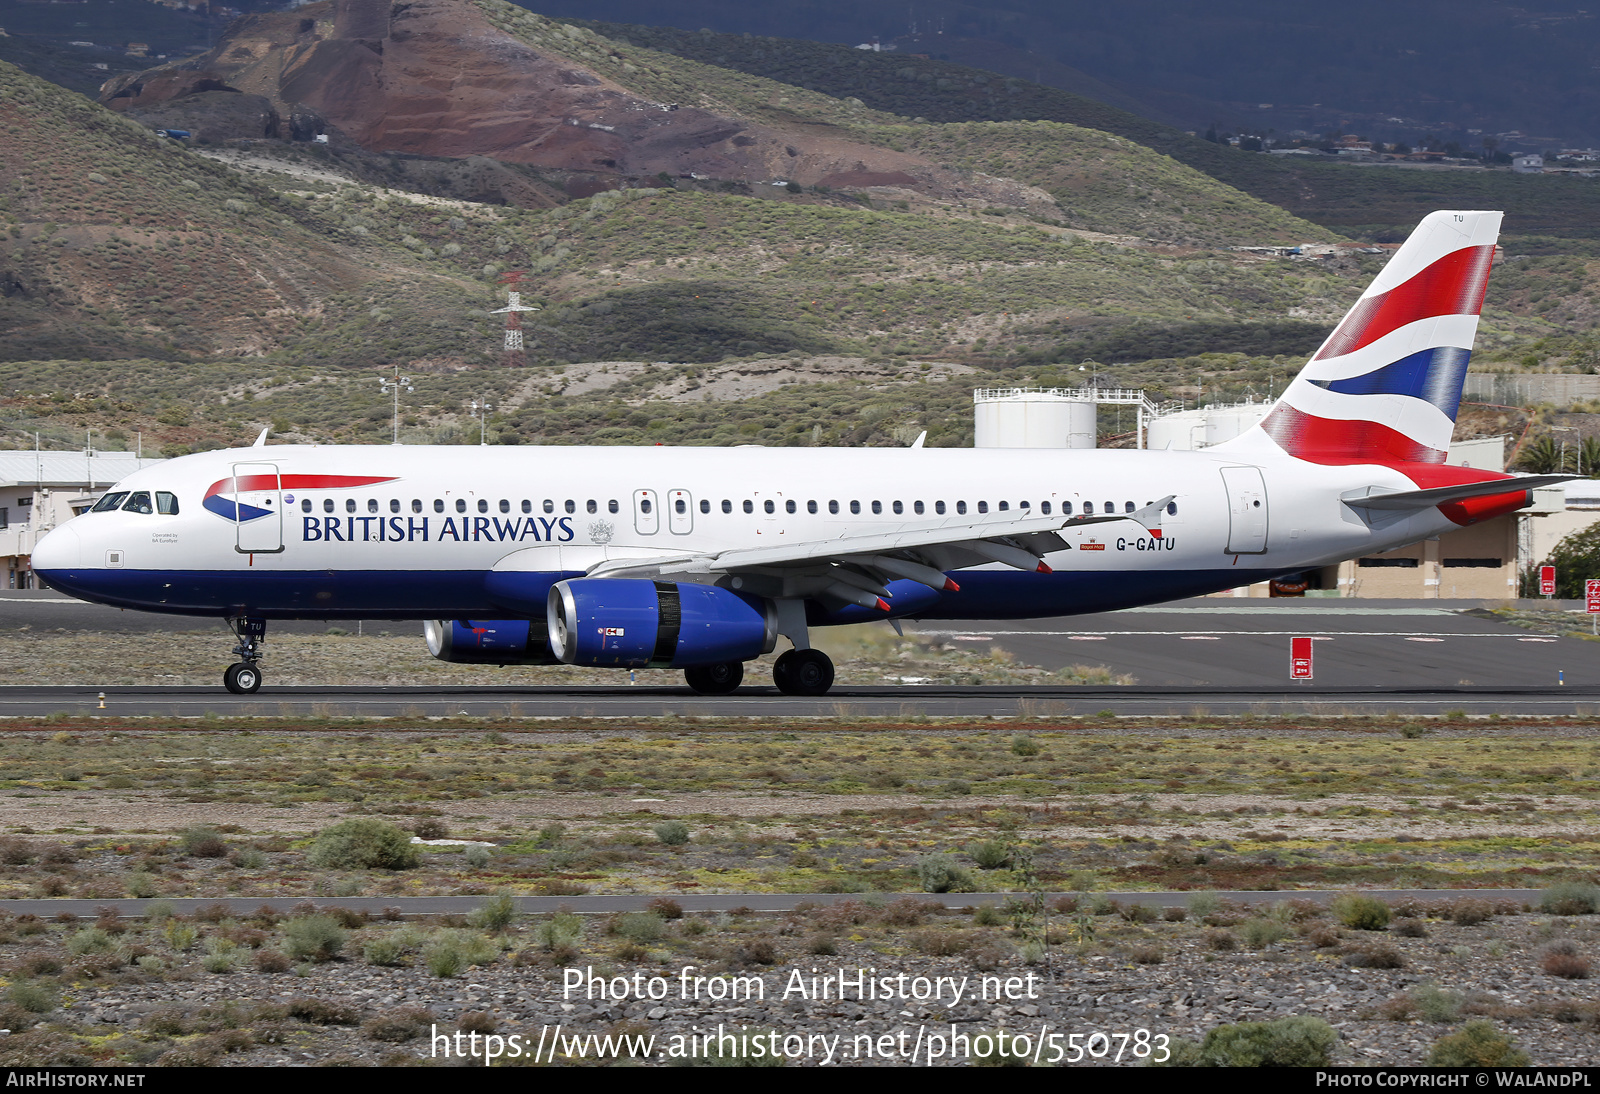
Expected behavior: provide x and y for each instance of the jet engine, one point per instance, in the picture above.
(630, 623)
(488, 641)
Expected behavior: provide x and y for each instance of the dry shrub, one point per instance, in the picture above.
(16, 852)
(1470, 913)
(907, 912)
(1374, 955)
(941, 943)
(477, 1021)
(759, 950)
(1175, 914)
(1218, 938)
(844, 913)
(1146, 955)
(1410, 928)
(1563, 959)
(323, 1012)
(665, 907)
(272, 961)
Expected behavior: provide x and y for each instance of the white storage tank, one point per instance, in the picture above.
(1033, 418)
(1189, 430)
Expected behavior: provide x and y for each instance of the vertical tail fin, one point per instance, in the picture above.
(1386, 385)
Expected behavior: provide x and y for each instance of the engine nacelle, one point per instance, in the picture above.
(630, 623)
(488, 641)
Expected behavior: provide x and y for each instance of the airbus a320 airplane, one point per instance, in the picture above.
(701, 558)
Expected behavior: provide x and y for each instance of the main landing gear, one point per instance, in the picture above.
(714, 679)
(803, 672)
(797, 672)
(244, 677)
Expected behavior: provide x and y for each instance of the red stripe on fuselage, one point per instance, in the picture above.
(1454, 285)
(297, 482)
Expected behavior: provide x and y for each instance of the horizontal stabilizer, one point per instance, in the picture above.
(1438, 495)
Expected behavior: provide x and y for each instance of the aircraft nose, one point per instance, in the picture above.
(62, 549)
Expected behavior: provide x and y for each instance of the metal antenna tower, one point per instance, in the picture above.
(512, 280)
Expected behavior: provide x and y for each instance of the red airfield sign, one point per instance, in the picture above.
(1547, 581)
(1300, 658)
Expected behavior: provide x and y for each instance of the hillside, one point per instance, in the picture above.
(1347, 199)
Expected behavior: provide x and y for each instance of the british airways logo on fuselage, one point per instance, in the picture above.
(225, 497)
(465, 529)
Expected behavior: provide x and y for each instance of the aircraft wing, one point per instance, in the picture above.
(1438, 495)
(857, 568)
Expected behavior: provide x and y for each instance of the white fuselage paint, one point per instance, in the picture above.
(1302, 522)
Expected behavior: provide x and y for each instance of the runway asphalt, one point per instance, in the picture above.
(1214, 655)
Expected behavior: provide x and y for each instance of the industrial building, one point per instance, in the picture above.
(39, 490)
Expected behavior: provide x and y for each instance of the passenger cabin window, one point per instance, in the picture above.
(592, 506)
(811, 507)
(855, 507)
(349, 505)
(916, 508)
(768, 506)
(877, 507)
(394, 505)
(611, 506)
(1088, 508)
(983, 507)
(1004, 506)
(1022, 505)
(833, 507)
(416, 505)
(705, 506)
(372, 505)
(483, 505)
(166, 503)
(899, 508)
(727, 506)
(938, 507)
(1127, 507)
(305, 505)
(112, 501)
(788, 507)
(527, 506)
(505, 506)
(1172, 508)
(138, 502)
(327, 505)
(1066, 508)
(961, 508)
(438, 505)
(572, 506)
(680, 505)
(549, 506)
(1044, 507)
(644, 505)
(749, 506)
(461, 505)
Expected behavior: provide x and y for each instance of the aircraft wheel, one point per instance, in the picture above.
(242, 678)
(719, 679)
(803, 672)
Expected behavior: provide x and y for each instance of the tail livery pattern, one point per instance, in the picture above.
(1385, 386)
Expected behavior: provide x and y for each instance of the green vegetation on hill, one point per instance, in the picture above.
(1345, 198)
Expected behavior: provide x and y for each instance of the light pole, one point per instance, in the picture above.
(481, 408)
(388, 386)
(1567, 429)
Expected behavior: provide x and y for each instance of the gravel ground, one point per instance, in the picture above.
(168, 1009)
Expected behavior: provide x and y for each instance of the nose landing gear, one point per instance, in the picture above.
(244, 678)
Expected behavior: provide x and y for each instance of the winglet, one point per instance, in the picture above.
(920, 438)
(261, 441)
(1150, 515)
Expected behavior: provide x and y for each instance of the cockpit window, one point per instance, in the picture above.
(138, 502)
(166, 503)
(110, 502)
